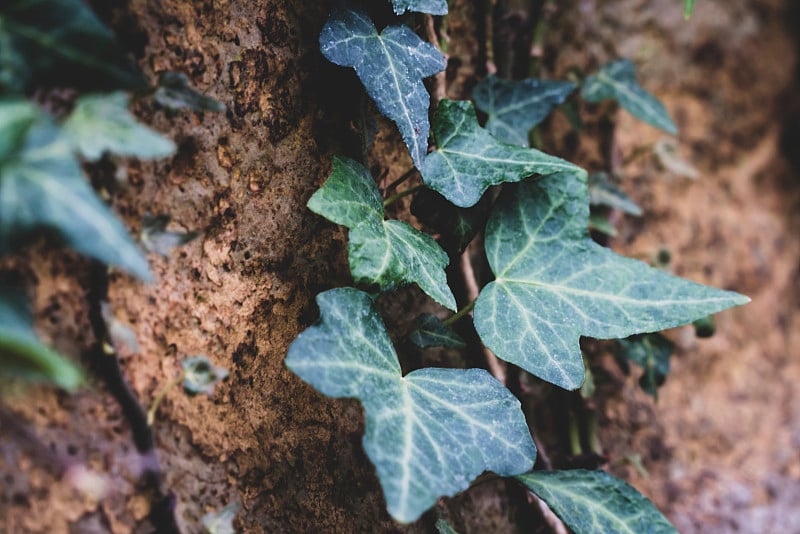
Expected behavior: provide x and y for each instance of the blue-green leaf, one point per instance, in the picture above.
(688, 8)
(651, 352)
(22, 355)
(391, 65)
(155, 237)
(469, 159)
(201, 376)
(617, 80)
(175, 92)
(592, 502)
(388, 254)
(434, 7)
(603, 192)
(516, 107)
(554, 284)
(42, 186)
(102, 123)
(429, 331)
(429, 433)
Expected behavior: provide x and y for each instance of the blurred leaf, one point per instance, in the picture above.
(102, 123)
(175, 92)
(705, 327)
(651, 352)
(429, 331)
(599, 223)
(155, 237)
(60, 43)
(688, 8)
(200, 375)
(603, 192)
(42, 186)
(221, 521)
(666, 151)
(22, 355)
(434, 7)
(456, 227)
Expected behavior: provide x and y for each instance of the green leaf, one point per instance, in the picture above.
(221, 521)
(688, 8)
(388, 254)
(429, 433)
(617, 80)
(102, 123)
(603, 192)
(42, 186)
(516, 107)
(456, 227)
(200, 375)
(22, 355)
(429, 331)
(155, 237)
(651, 352)
(434, 7)
(590, 502)
(391, 65)
(599, 223)
(554, 284)
(469, 159)
(443, 527)
(60, 43)
(175, 92)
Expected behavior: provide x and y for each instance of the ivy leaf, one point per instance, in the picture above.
(60, 43)
(42, 186)
(200, 375)
(388, 254)
(688, 8)
(469, 159)
(391, 65)
(429, 433)
(155, 237)
(516, 107)
(102, 123)
(221, 521)
(603, 192)
(599, 223)
(434, 7)
(175, 92)
(429, 331)
(617, 80)
(22, 355)
(554, 284)
(456, 227)
(651, 352)
(594, 501)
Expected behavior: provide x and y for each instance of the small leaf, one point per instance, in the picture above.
(60, 43)
(666, 152)
(651, 352)
(200, 375)
(617, 80)
(155, 237)
(391, 66)
(429, 433)
(443, 527)
(388, 254)
(42, 186)
(22, 355)
(516, 107)
(688, 8)
(102, 123)
(429, 331)
(456, 227)
(589, 502)
(603, 192)
(175, 92)
(469, 159)
(554, 284)
(705, 327)
(221, 521)
(434, 7)
(599, 223)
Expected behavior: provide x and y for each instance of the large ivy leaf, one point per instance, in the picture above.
(42, 186)
(617, 80)
(589, 502)
(22, 355)
(391, 65)
(516, 107)
(383, 253)
(429, 433)
(651, 352)
(434, 7)
(102, 123)
(61, 43)
(469, 159)
(553, 284)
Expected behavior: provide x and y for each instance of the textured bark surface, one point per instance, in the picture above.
(720, 446)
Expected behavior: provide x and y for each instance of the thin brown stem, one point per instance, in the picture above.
(397, 196)
(406, 175)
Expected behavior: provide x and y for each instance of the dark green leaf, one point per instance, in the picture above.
(155, 237)
(200, 375)
(60, 43)
(516, 107)
(651, 352)
(456, 227)
(603, 192)
(553, 284)
(617, 80)
(705, 326)
(102, 123)
(469, 159)
(22, 355)
(429, 331)
(388, 254)
(592, 502)
(434, 7)
(175, 92)
(391, 67)
(42, 186)
(429, 433)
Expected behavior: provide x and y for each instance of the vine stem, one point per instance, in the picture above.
(151, 413)
(397, 196)
(406, 175)
(459, 314)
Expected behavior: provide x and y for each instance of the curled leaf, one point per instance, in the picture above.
(200, 375)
